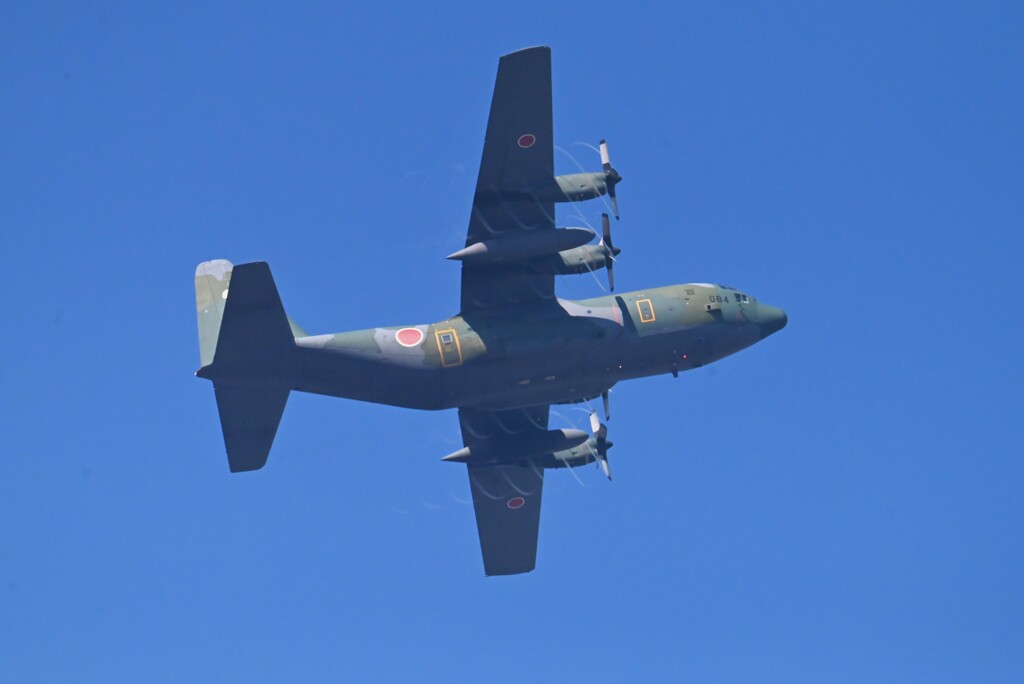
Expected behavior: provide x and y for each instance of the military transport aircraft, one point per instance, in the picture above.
(513, 350)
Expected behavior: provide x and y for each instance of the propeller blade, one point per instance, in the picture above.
(615, 201)
(607, 405)
(611, 177)
(609, 253)
(606, 234)
(606, 162)
(600, 431)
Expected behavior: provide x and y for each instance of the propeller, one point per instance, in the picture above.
(610, 252)
(600, 431)
(611, 177)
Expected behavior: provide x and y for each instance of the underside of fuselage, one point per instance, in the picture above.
(561, 352)
(569, 358)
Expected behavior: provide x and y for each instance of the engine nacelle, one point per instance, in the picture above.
(580, 455)
(582, 259)
(524, 246)
(577, 187)
(534, 443)
(573, 187)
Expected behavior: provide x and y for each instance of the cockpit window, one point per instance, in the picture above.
(737, 295)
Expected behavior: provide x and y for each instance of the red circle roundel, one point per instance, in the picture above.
(409, 337)
(516, 502)
(527, 140)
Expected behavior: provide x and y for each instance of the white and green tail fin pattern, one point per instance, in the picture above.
(212, 280)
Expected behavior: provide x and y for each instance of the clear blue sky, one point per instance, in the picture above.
(843, 502)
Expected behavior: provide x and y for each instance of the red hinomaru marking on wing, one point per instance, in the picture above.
(527, 140)
(409, 337)
(516, 502)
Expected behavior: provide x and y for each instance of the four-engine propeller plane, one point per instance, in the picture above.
(513, 350)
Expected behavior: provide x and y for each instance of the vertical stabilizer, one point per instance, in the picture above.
(212, 280)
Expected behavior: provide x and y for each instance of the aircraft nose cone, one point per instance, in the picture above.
(771, 319)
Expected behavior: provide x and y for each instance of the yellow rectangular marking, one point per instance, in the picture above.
(440, 346)
(646, 316)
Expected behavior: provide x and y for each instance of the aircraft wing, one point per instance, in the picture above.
(506, 497)
(518, 154)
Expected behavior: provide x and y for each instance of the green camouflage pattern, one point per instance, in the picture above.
(513, 350)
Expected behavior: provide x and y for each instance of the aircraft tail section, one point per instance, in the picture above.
(212, 281)
(245, 343)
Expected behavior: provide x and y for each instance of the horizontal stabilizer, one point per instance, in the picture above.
(246, 342)
(249, 417)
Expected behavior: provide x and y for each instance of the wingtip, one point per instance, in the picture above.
(505, 572)
(527, 51)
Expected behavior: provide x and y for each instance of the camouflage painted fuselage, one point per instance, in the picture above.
(566, 352)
